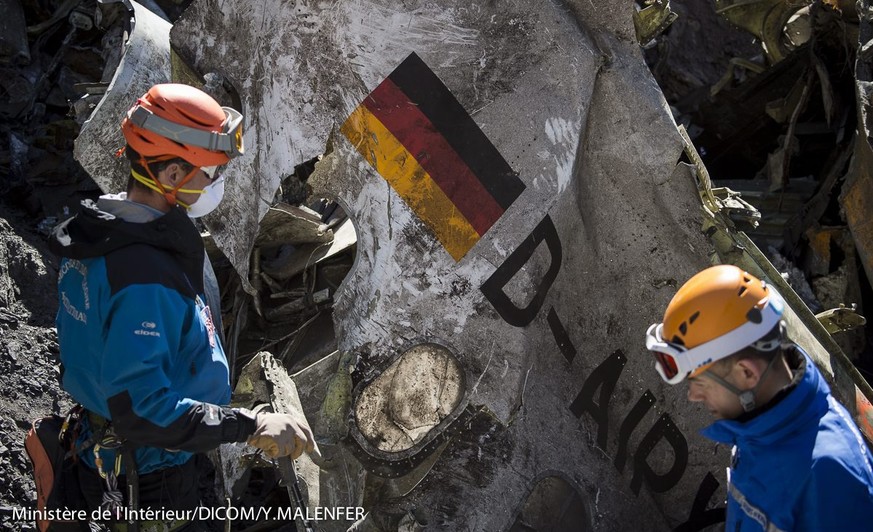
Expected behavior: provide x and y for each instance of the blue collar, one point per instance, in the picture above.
(805, 403)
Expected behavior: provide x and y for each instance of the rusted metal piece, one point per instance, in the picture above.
(651, 20)
(856, 197)
(856, 200)
(842, 319)
(765, 19)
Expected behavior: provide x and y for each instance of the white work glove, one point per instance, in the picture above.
(283, 435)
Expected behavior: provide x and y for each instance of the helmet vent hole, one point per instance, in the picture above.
(755, 316)
(683, 328)
(194, 119)
(742, 291)
(677, 340)
(694, 317)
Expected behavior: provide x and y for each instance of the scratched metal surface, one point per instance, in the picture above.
(145, 62)
(555, 379)
(562, 92)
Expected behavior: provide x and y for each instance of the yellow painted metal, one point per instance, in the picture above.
(652, 20)
(394, 163)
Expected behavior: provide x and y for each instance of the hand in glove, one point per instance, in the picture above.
(283, 435)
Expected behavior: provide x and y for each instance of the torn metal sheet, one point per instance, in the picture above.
(145, 62)
(775, 22)
(735, 207)
(856, 198)
(776, 208)
(563, 124)
(652, 20)
(841, 319)
(513, 176)
(264, 382)
(735, 247)
(293, 261)
(289, 224)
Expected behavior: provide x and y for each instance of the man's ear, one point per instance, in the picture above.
(171, 174)
(748, 371)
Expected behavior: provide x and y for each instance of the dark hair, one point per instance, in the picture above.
(135, 160)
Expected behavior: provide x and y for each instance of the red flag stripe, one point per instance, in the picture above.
(419, 136)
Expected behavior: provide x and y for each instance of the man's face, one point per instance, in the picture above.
(198, 182)
(721, 402)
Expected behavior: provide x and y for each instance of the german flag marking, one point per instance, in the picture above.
(419, 136)
(414, 132)
(411, 182)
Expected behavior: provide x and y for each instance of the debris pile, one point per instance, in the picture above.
(52, 58)
(300, 257)
(778, 125)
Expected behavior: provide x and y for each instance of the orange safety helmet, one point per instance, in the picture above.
(183, 121)
(173, 120)
(717, 313)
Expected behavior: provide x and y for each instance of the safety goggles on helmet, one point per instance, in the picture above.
(229, 140)
(675, 362)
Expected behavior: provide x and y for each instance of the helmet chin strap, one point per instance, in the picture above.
(156, 185)
(747, 397)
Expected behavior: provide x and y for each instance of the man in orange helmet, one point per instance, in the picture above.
(140, 347)
(799, 462)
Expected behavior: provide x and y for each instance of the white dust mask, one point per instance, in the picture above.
(208, 200)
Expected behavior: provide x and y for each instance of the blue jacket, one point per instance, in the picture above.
(798, 464)
(138, 344)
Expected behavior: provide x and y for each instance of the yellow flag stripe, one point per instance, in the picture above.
(411, 182)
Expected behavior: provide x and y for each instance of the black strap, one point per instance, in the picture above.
(132, 475)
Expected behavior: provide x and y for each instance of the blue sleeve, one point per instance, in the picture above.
(834, 498)
(143, 335)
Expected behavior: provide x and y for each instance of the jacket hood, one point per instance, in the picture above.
(804, 404)
(94, 232)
